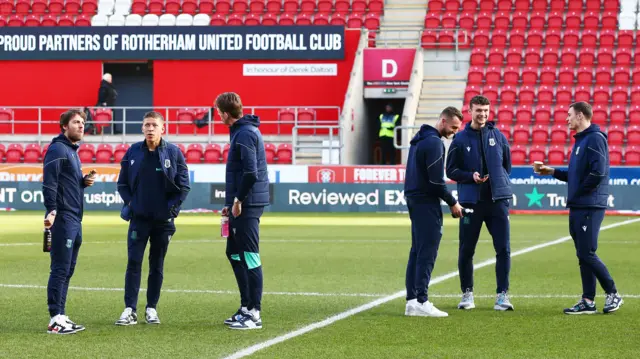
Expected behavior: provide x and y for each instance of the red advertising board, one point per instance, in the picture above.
(388, 67)
(356, 174)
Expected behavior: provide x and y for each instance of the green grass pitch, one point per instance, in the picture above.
(317, 266)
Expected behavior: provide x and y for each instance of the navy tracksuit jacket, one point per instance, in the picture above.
(247, 180)
(424, 187)
(486, 152)
(63, 191)
(153, 185)
(588, 194)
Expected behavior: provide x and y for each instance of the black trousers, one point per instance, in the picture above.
(388, 150)
(66, 239)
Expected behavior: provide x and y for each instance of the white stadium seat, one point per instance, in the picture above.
(184, 20)
(627, 6)
(106, 7)
(116, 20)
(99, 20)
(167, 20)
(627, 21)
(122, 7)
(133, 20)
(201, 20)
(150, 20)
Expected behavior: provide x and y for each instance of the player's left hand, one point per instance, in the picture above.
(236, 210)
(89, 180)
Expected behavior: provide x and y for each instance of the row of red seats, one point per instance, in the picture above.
(46, 20)
(588, 38)
(559, 135)
(257, 7)
(523, 5)
(52, 7)
(523, 20)
(549, 56)
(370, 21)
(558, 155)
(564, 95)
(552, 75)
(545, 114)
(105, 153)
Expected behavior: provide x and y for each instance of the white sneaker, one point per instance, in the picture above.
(502, 302)
(128, 317)
(250, 320)
(59, 325)
(74, 326)
(427, 309)
(152, 316)
(409, 309)
(467, 301)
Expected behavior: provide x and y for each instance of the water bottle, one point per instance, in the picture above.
(46, 241)
(224, 226)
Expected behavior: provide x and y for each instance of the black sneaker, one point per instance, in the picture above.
(582, 307)
(236, 317)
(58, 325)
(74, 326)
(612, 303)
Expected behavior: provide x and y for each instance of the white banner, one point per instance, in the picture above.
(290, 69)
(277, 173)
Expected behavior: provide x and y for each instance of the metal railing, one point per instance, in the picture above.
(297, 145)
(49, 116)
(395, 136)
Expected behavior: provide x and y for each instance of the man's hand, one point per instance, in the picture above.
(90, 178)
(456, 210)
(237, 208)
(51, 217)
(225, 212)
(478, 179)
(546, 171)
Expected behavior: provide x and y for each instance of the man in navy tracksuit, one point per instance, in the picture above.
(424, 187)
(588, 193)
(247, 193)
(153, 183)
(479, 160)
(63, 191)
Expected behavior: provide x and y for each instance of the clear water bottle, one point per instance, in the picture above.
(224, 226)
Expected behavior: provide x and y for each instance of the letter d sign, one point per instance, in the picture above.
(389, 64)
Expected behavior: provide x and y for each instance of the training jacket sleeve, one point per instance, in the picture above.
(434, 162)
(506, 154)
(455, 163)
(597, 163)
(182, 177)
(52, 166)
(561, 175)
(123, 178)
(246, 143)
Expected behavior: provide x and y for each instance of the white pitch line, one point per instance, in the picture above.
(340, 316)
(527, 296)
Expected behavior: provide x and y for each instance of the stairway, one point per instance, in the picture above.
(437, 93)
(402, 23)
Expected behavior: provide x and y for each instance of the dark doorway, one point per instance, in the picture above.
(134, 84)
(376, 107)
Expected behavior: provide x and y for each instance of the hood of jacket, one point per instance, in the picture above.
(425, 131)
(63, 139)
(246, 120)
(591, 129)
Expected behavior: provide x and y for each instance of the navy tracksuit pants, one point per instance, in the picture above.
(426, 233)
(243, 252)
(496, 217)
(141, 231)
(584, 227)
(66, 239)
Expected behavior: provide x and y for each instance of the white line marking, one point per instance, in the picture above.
(321, 324)
(204, 291)
(527, 296)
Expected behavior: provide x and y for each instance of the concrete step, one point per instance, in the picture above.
(446, 78)
(436, 90)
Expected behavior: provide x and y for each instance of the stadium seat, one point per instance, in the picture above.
(139, 7)
(6, 118)
(121, 7)
(543, 114)
(167, 20)
(32, 153)
(201, 20)
(582, 93)
(119, 152)
(270, 152)
(587, 56)
(521, 135)
(52, 20)
(104, 152)
(86, 152)
(618, 114)
(212, 153)
(545, 95)
(632, 156)
(519, 20)
(633, 135)
(556, 155)
(527, 95)
(615, 155)
(622, 75)
(540, 135)
(625, 38)
(555, 20)
(218, 20)
(116, 20)
(615, 135)
(134, 20)
(537, 153)
(589, 38)
(235, 20)
(559, 134)
(14, 153)
(252, 20)
(548, 75)
(585, 75)
(475, 76)
(505, 129)
(529, 75)
(190, 7)
(284, 154)
(194, 153)
(514, 56)
(518, 155)
(532, 57)
(150, 20)
(566, 75)
(106, 7)
(3, 150)
(505, 114)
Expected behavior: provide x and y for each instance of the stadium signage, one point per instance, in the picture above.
(388, 67)
(173, 42)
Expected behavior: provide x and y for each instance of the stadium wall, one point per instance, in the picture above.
(353, 112)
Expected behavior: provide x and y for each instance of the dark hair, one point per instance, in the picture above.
(66, 117)
(230, 103)
(153, 114)
(479, 100)
(584, 108)
(451, 112)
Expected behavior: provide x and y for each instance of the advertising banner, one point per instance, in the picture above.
(356, 174)
(388, 67)
(173, 43)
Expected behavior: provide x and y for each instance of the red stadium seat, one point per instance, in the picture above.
(633, 135)
(484, 20)
(341, 6)
(615, 155)
(553, 38)
(467, 21)
(543, 114)
(521, 134)
(569, 56)
(504, 5)
(564, 94)
(86, 152)
(235, 20)
(566, 76)
(3, 150)
(475, 76)
(555, 20)
(49, 20)
(601, 94)
(496, 56)
(449, 20)
(270, 152)
(499, 38)
(607, 38)
(537, 153)
(223, 7)
(634, 113)
(619, 95)
(32, 21)
(600, 113)
(514, 56)
(321, 19)
(119, 152)
(609, 20)
(83, 20)
(505, 129)
(479, 56)
(292, 6)
(585, 75)
(545, 95)
(632, 156)
(32, 153)
(14, 153)
(104, 152)
(573, 19)
(591, 20)
(206, 7)
(72, 7)
(518, 155)
(548, 75)
(502, 20)
(559, 134)
(212, 153)
(376, 7)
(540, 135)
(603, 75)
(252, 20)
(481, 39)
(589, 38)
(511, 75)
(529, 75)
(615, 135)
(527, 95)
(520, 20)
(556, 155)
(354, 21)
(194, 153)
(66, 20)
(605, 56)
(469, 5)
(635, 94)
(535, 38)
(39, 7)
(626, 38)
(259, 6)
(490, 92)
(140, 7)
(241, 6)
(172, 7)
(532, 57)
(622, 75)
(583, 93)
(505, 114)
(271, 20)
(516, 37)
(225, 152)
(284, 154)
(587, 56)
(508, 95)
